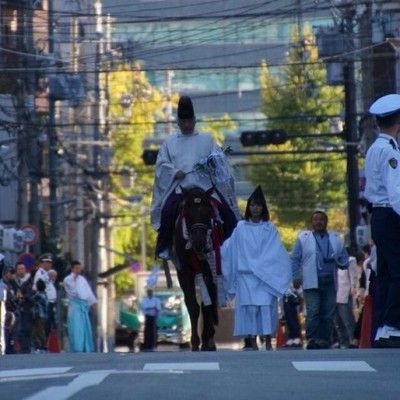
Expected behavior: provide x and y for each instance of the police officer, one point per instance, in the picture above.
(45, 264)
(382, 172)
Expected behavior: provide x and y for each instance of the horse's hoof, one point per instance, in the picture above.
(208, 348)
(195, 348)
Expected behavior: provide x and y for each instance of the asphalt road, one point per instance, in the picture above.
(367, 374)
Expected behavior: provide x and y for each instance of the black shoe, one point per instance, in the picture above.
(390, 343)
(323, 344)
(312, 345)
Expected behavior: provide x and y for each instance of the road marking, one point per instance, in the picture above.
(33, 372)
(197, 366)
(37, 377)
(348, 366)
(83, 381)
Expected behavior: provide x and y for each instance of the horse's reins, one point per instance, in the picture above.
(199, 226)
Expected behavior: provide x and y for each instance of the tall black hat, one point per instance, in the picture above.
(185, 108)
(258, 197)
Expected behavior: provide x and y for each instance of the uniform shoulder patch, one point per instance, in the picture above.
(393, 163)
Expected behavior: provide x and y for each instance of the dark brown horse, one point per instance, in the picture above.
(197, 239)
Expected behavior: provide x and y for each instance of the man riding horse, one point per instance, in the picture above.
(180, 163)
(191, 225)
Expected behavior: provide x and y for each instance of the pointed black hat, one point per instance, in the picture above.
(258, 196)
(185, 108)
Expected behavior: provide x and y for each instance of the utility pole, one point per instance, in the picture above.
(334, 43)
(22, 114)
(79, 239)
(27, 148)
(351, 129)
(101, 222)
(109, 257)
(52, 134)
(299, 20)
(168, 91)
(366, 55)
(33, 152)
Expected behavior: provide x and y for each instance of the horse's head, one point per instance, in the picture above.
(198, 212)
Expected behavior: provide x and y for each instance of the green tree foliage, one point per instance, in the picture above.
(297, 99)
(134, 108)
(216, 128)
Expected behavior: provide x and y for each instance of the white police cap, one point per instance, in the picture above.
(385, 105)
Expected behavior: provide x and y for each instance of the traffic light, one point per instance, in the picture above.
(263, 138)
(149, 156)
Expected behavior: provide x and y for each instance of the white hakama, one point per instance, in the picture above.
(257, 271)
(81, 298)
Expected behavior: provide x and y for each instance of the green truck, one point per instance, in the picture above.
(128, 324)
(173, 322)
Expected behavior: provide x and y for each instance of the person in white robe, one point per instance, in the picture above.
(81, 298)
(256, 271)
(186, 160)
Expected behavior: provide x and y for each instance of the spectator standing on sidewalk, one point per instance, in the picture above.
(10, 308)
(45, 264)
(316, 256)
(345, 296)
(81, 298)
(22, 285)
(39, 310)
(51, 322)
(151, 307)
(3, 298)
(291, 303)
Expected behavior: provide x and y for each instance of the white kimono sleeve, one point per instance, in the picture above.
(163, 184)
(84, 291)
(228, 264)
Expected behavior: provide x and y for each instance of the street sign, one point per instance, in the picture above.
(31, 234)
(28, 259)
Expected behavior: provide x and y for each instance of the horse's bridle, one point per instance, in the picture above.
(198, 226)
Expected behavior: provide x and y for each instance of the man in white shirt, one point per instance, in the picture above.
(151, 307)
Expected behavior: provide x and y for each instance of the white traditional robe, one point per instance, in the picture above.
(81, 297)
(256, 270)
(76, 286)
(183, 152)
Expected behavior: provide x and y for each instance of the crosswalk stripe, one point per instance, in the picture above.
(196, 366)
(83, 381)
(322, 366)
(13, 373)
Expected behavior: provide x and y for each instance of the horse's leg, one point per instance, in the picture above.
(207, 335)
(210, 315)
(186, 281)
